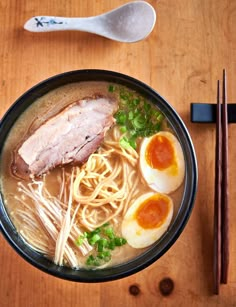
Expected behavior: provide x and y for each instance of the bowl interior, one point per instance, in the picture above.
(161, 246)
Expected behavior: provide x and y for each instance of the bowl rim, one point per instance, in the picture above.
(143, 260)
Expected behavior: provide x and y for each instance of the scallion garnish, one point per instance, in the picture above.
(79, 241)
(136, 117)
(119, 241)
(109, 232)
(104, 241)
(111, 88)
(96, 237)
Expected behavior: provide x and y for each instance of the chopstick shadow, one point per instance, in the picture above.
(205, 199)
(204, 134)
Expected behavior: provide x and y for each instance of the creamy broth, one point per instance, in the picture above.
(42, 109)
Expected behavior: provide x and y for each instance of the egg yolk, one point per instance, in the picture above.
(160, 153)
(153, 211)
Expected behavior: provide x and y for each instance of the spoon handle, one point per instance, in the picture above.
(51, 23)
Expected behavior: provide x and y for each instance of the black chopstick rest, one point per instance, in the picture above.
(206, 112)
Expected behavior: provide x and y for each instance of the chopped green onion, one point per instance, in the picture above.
(106, 255)
(133, 133)
(90, 260)
(111, 88)
(109, 232)
(139, 121)
(123, 129)
(124, 142)
(136, 118)
(124, 95)
(111, 245)
(120, 241)
(94, 239)
(136, 101)
(131, 115)
(93, 261)
(160, 117)
(104, 241)
(121, 117)
(132, 142)
(80, 240)
(158, 127)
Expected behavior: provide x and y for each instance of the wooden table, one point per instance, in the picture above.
(193, 40)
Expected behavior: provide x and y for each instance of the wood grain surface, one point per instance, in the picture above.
(193, 40)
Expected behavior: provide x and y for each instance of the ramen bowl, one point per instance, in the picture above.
(182, 212)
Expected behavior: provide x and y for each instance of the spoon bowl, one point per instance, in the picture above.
(128, 23)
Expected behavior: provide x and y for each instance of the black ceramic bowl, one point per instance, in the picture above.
(180, 220)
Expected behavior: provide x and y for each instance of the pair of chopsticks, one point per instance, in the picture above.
(221, 215)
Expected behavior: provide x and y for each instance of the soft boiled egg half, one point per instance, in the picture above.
(147, 219)
(162, 162)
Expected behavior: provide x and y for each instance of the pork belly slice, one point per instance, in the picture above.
(69, 137)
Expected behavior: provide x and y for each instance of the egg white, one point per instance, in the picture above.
(137, 236)
(167, 180)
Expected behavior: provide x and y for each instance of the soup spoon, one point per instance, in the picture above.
(128, 23)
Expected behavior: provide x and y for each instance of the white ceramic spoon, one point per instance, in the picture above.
(128, 23)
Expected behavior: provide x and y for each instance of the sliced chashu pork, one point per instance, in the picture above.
(69, 137)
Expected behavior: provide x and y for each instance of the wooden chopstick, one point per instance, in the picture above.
(217, 204)
(221, 215)
(224, 204)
